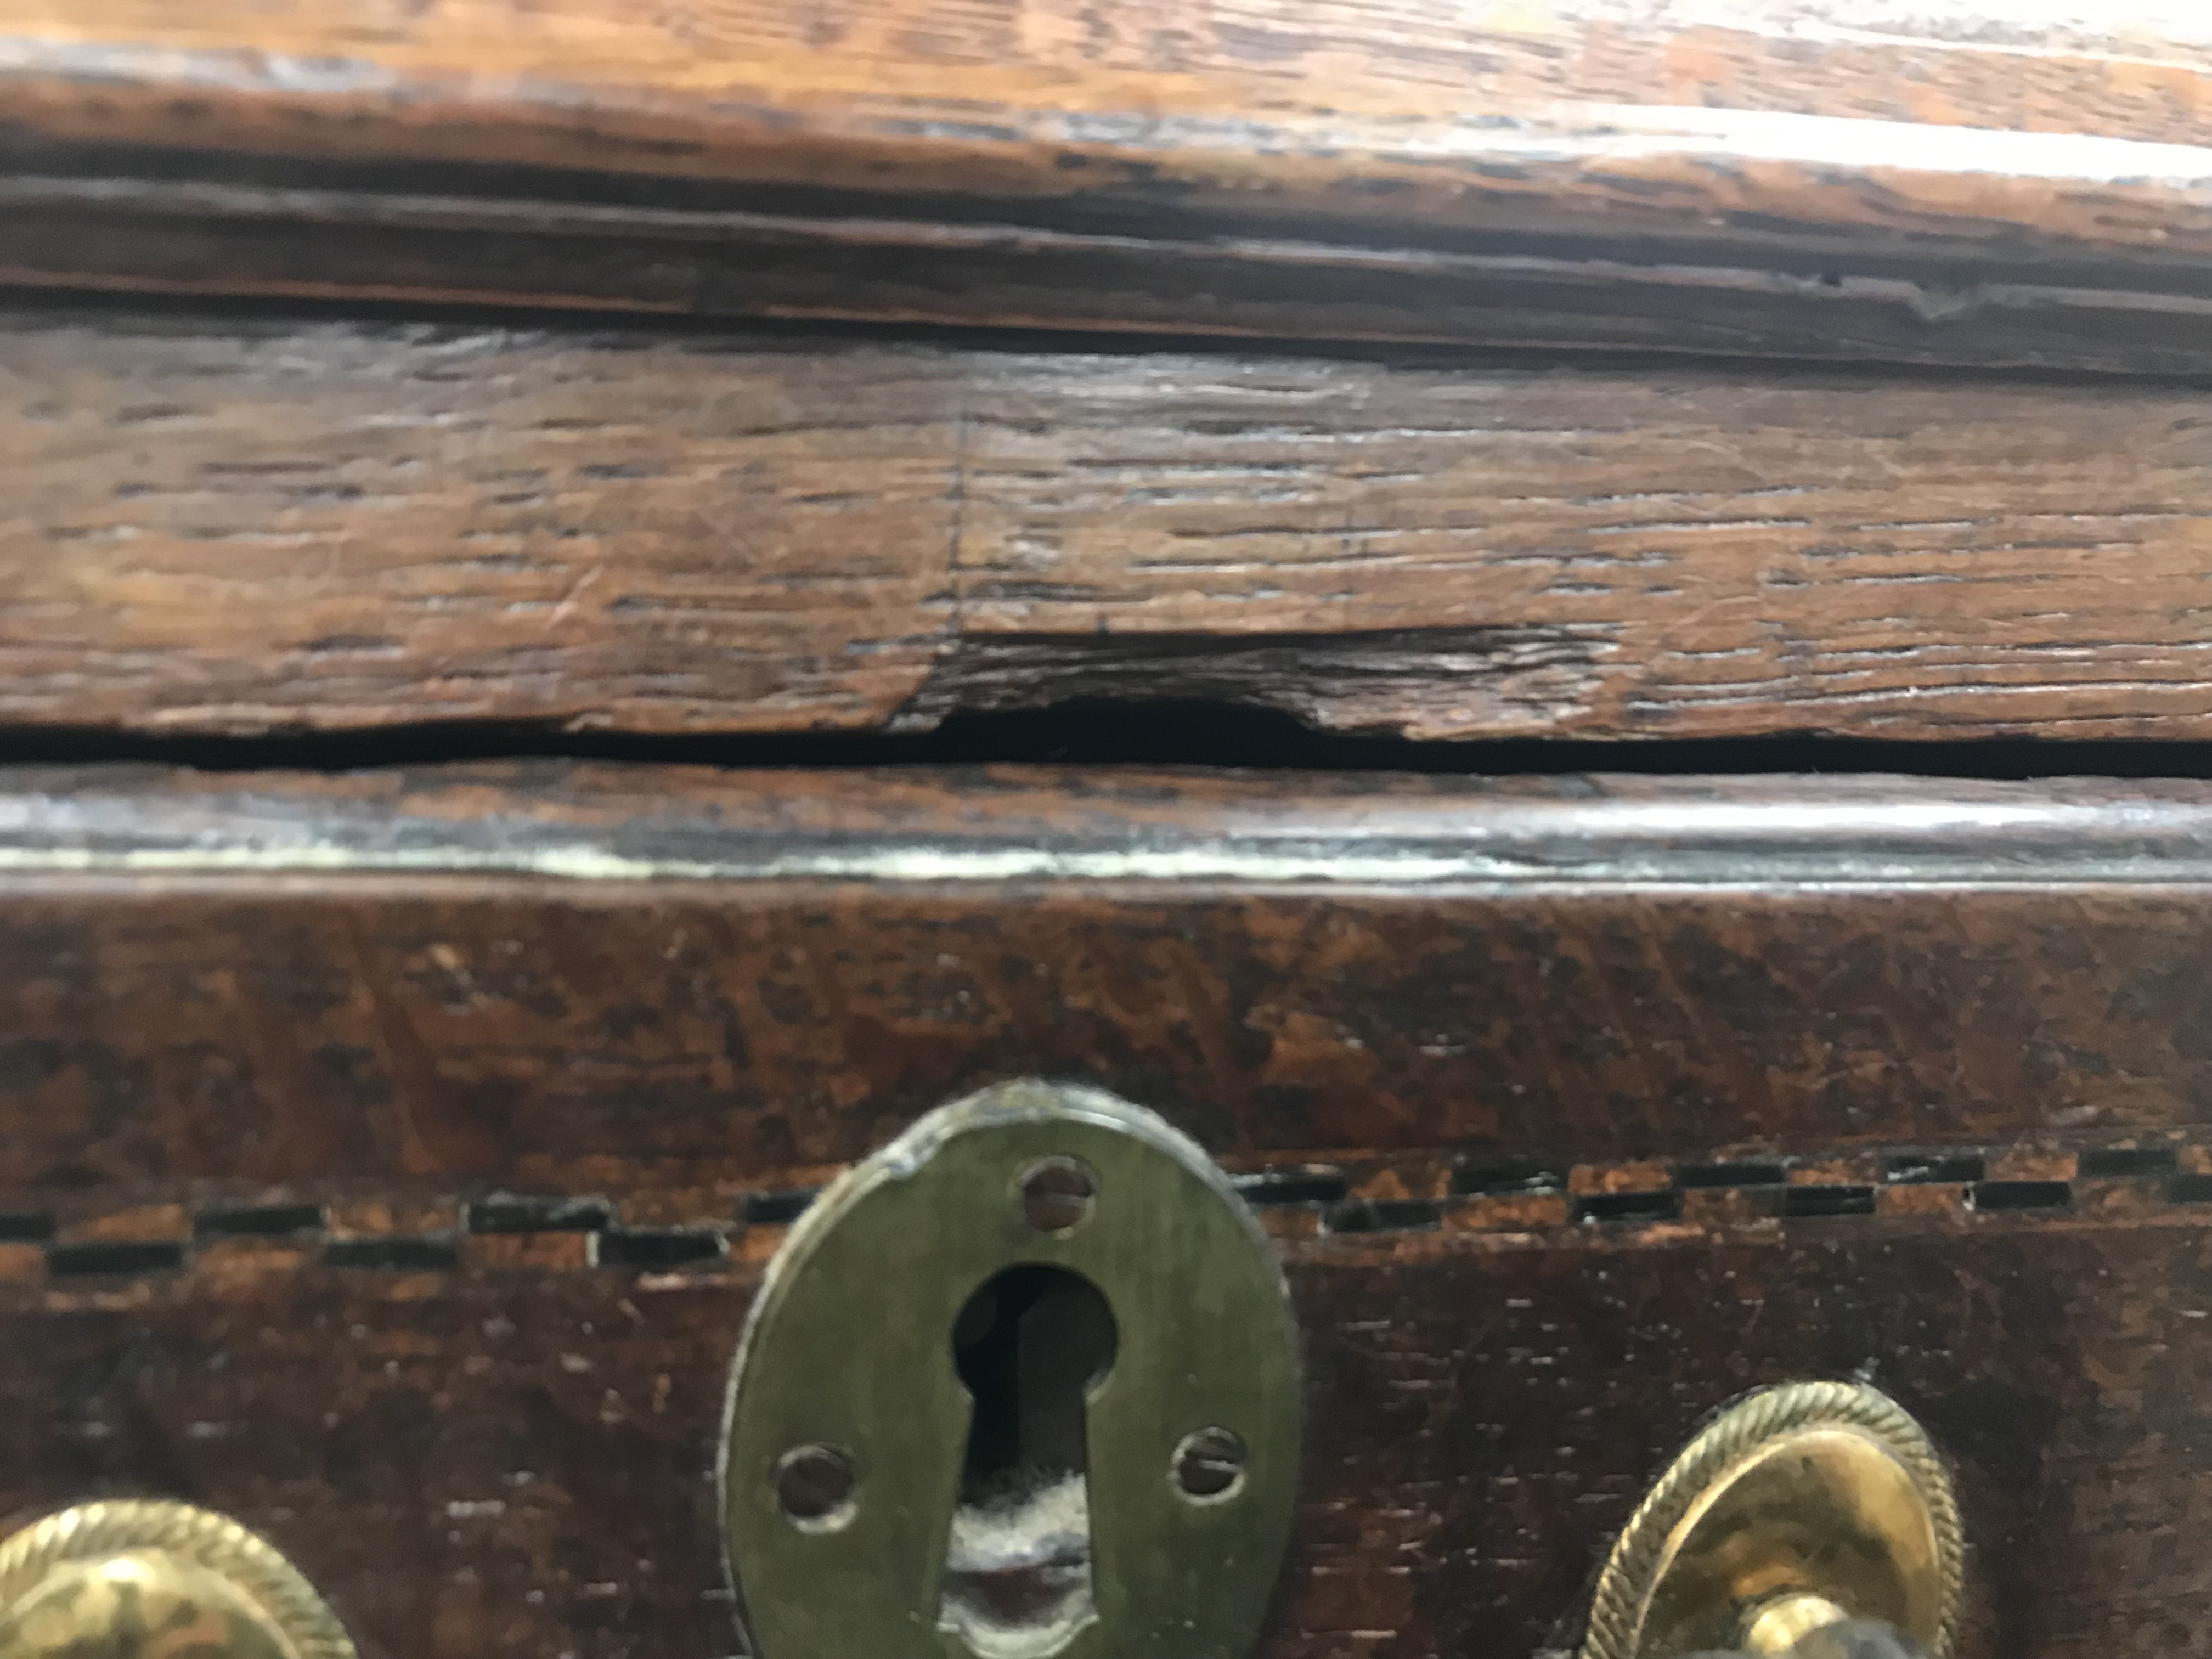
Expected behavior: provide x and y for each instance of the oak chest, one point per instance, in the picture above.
(1024, 830)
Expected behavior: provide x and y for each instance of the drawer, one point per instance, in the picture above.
(391, 1159)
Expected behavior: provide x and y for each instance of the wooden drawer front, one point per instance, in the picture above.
(391, 1160)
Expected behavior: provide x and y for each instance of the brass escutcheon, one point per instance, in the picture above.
(1798, 1507)
(140, 1579)
(1023, 1385)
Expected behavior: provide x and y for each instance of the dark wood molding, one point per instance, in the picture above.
(1148, 829)
(1573, 182)
(585, 980)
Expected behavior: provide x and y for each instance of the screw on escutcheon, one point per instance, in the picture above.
(1209, 1462)
(814, 1484)
(1057, 1193)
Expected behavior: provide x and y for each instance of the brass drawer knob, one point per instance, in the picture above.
(147, 1580)
(1808, 1507)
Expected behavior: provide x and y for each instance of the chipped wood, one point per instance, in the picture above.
(219, 526)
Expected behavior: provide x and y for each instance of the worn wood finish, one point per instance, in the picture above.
(1793, 179)
(845, 259)
(509, 1037)
(2134, 71)
(226, 525)
(597, 981)
(639, 535)
(517, 1457)
(388, 1159)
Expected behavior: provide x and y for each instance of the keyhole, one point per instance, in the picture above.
(1030, 1345)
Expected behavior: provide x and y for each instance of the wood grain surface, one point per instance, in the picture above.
(224, 525)
(516, 1456)
(388, 1159)
(1826, 178)
(583, 982)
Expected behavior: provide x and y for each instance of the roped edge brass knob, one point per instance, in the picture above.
(140, 1579)
(1805, 1508)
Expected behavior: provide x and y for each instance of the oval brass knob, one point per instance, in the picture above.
(1806, 1509)
(137, 1579)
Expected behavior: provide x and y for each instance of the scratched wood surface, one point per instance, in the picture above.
(577, 982)
(1823, 178)
(1579, 1106)
(517, 1456)
(388, 1158)
(218, 524)
(1016, 96)
(505, 1036)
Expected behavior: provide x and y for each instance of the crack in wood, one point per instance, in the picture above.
(1407, 680)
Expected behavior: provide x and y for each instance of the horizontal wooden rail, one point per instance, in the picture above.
(1786, 183)
(231, 524)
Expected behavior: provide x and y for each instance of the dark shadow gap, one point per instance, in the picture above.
(1167, 733)
(658, 1249)
(1113, 193)
(259, 315)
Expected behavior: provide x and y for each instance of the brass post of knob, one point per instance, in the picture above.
(140, 1579)
(1798, 1509)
